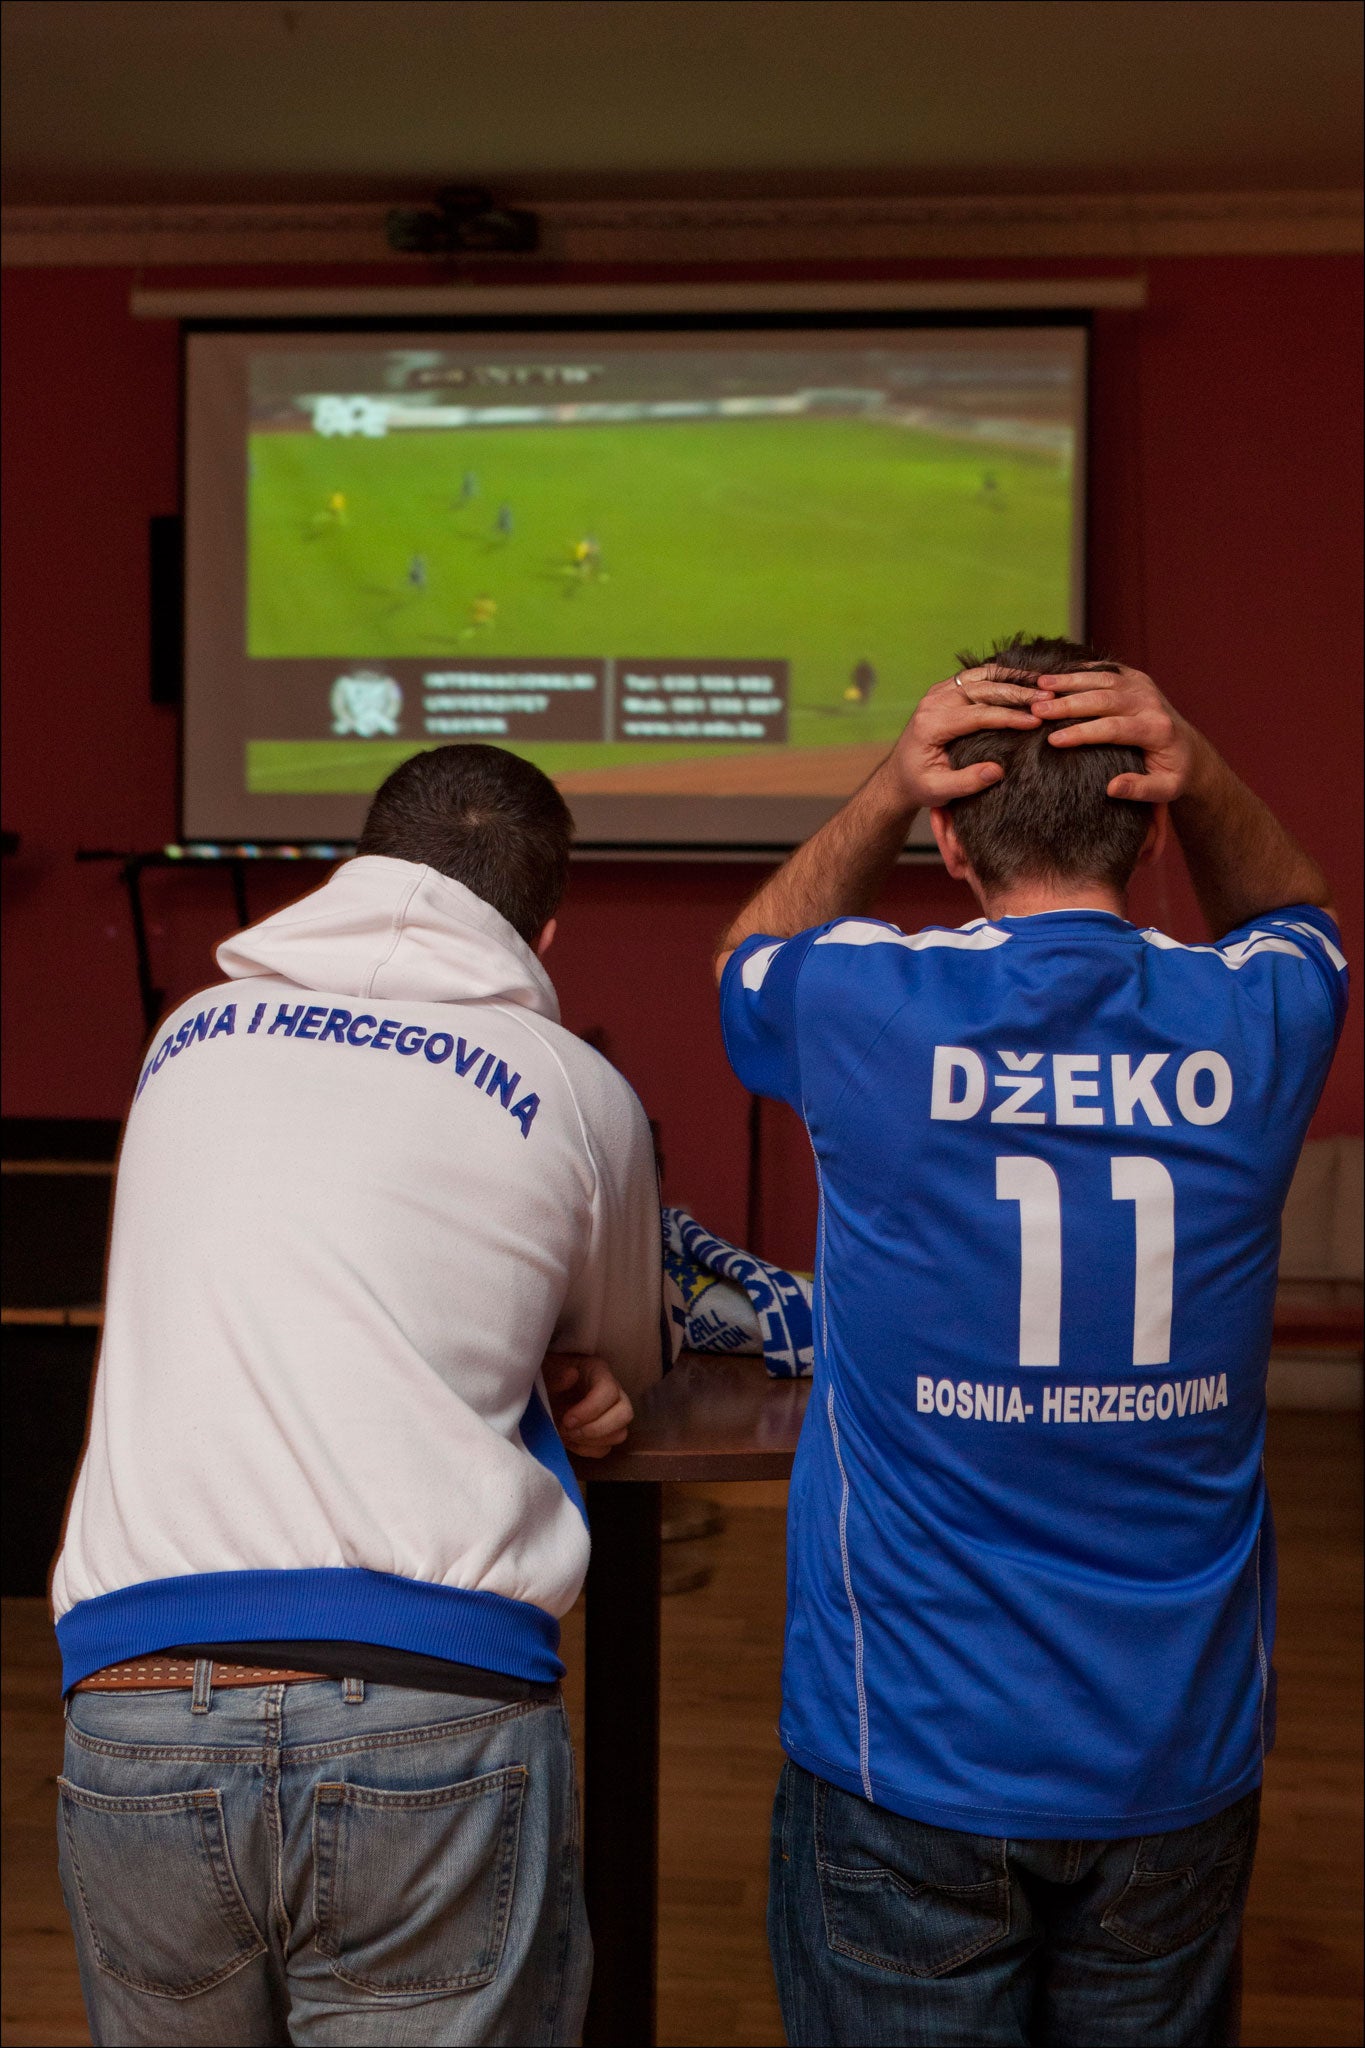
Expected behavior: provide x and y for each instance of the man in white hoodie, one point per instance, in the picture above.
(318, 1782)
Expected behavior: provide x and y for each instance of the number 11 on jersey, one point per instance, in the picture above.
(1034, 1185)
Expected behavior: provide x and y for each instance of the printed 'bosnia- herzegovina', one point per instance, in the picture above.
(365, 1185)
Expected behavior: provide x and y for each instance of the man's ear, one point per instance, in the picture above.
(1154, 845)
(950, 846)
(547, 937)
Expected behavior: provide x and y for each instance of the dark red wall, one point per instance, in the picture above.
(1225, 558)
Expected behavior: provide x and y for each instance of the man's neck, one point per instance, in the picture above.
(1030, 898)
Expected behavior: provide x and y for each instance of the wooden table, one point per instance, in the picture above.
(711, 1419)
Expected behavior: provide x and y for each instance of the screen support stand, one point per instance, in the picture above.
(132, 867)
(153, 998)
(753, 1218)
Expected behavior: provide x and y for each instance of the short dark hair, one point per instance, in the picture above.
(485, 818)
(1050, 815)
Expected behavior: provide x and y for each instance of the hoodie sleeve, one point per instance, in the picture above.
(615, 1305)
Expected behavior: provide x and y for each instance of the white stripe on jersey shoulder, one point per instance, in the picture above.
(1234, 956)
(755, 969)
(978, 937)
(1242, 950)
(1310, 931)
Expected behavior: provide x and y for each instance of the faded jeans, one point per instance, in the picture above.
(888, 1931)
(323, 1863)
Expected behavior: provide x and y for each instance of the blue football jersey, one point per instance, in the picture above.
(1031, 1580)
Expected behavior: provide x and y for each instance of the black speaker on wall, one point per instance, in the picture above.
(166, 593)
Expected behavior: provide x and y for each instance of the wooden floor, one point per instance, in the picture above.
(720, 1757)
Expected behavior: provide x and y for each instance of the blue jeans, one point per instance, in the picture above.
(323, 1863)
(885, 1930)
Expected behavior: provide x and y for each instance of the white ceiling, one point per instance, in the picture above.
(141, 101)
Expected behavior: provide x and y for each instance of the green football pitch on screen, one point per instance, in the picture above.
(833, 542)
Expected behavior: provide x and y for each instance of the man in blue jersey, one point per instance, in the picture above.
(1027, 1693)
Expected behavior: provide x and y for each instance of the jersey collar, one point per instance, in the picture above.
(1043, 924)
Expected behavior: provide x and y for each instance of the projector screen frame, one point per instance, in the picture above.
(786, 821)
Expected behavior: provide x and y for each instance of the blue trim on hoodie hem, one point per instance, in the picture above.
(333, 1604)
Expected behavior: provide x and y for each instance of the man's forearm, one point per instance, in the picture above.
(839, 869)
(1242, 861)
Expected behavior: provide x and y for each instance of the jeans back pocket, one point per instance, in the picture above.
(901, 1895)
(1181, 1882)
(157, 1889)
(412, 1890)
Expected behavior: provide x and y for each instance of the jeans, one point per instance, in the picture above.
(323, 1862)
(885, 1930)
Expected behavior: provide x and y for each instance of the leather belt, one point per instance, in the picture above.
(158, 1674)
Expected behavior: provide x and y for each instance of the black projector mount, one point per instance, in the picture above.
(464, 221)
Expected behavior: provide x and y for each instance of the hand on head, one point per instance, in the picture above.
(1108, 705)
(1121, 707)
(970, 702)
(591, 1412)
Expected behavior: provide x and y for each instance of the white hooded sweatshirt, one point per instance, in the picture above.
(365, 1185)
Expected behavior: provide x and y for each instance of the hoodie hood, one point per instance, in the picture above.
(390, 930)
